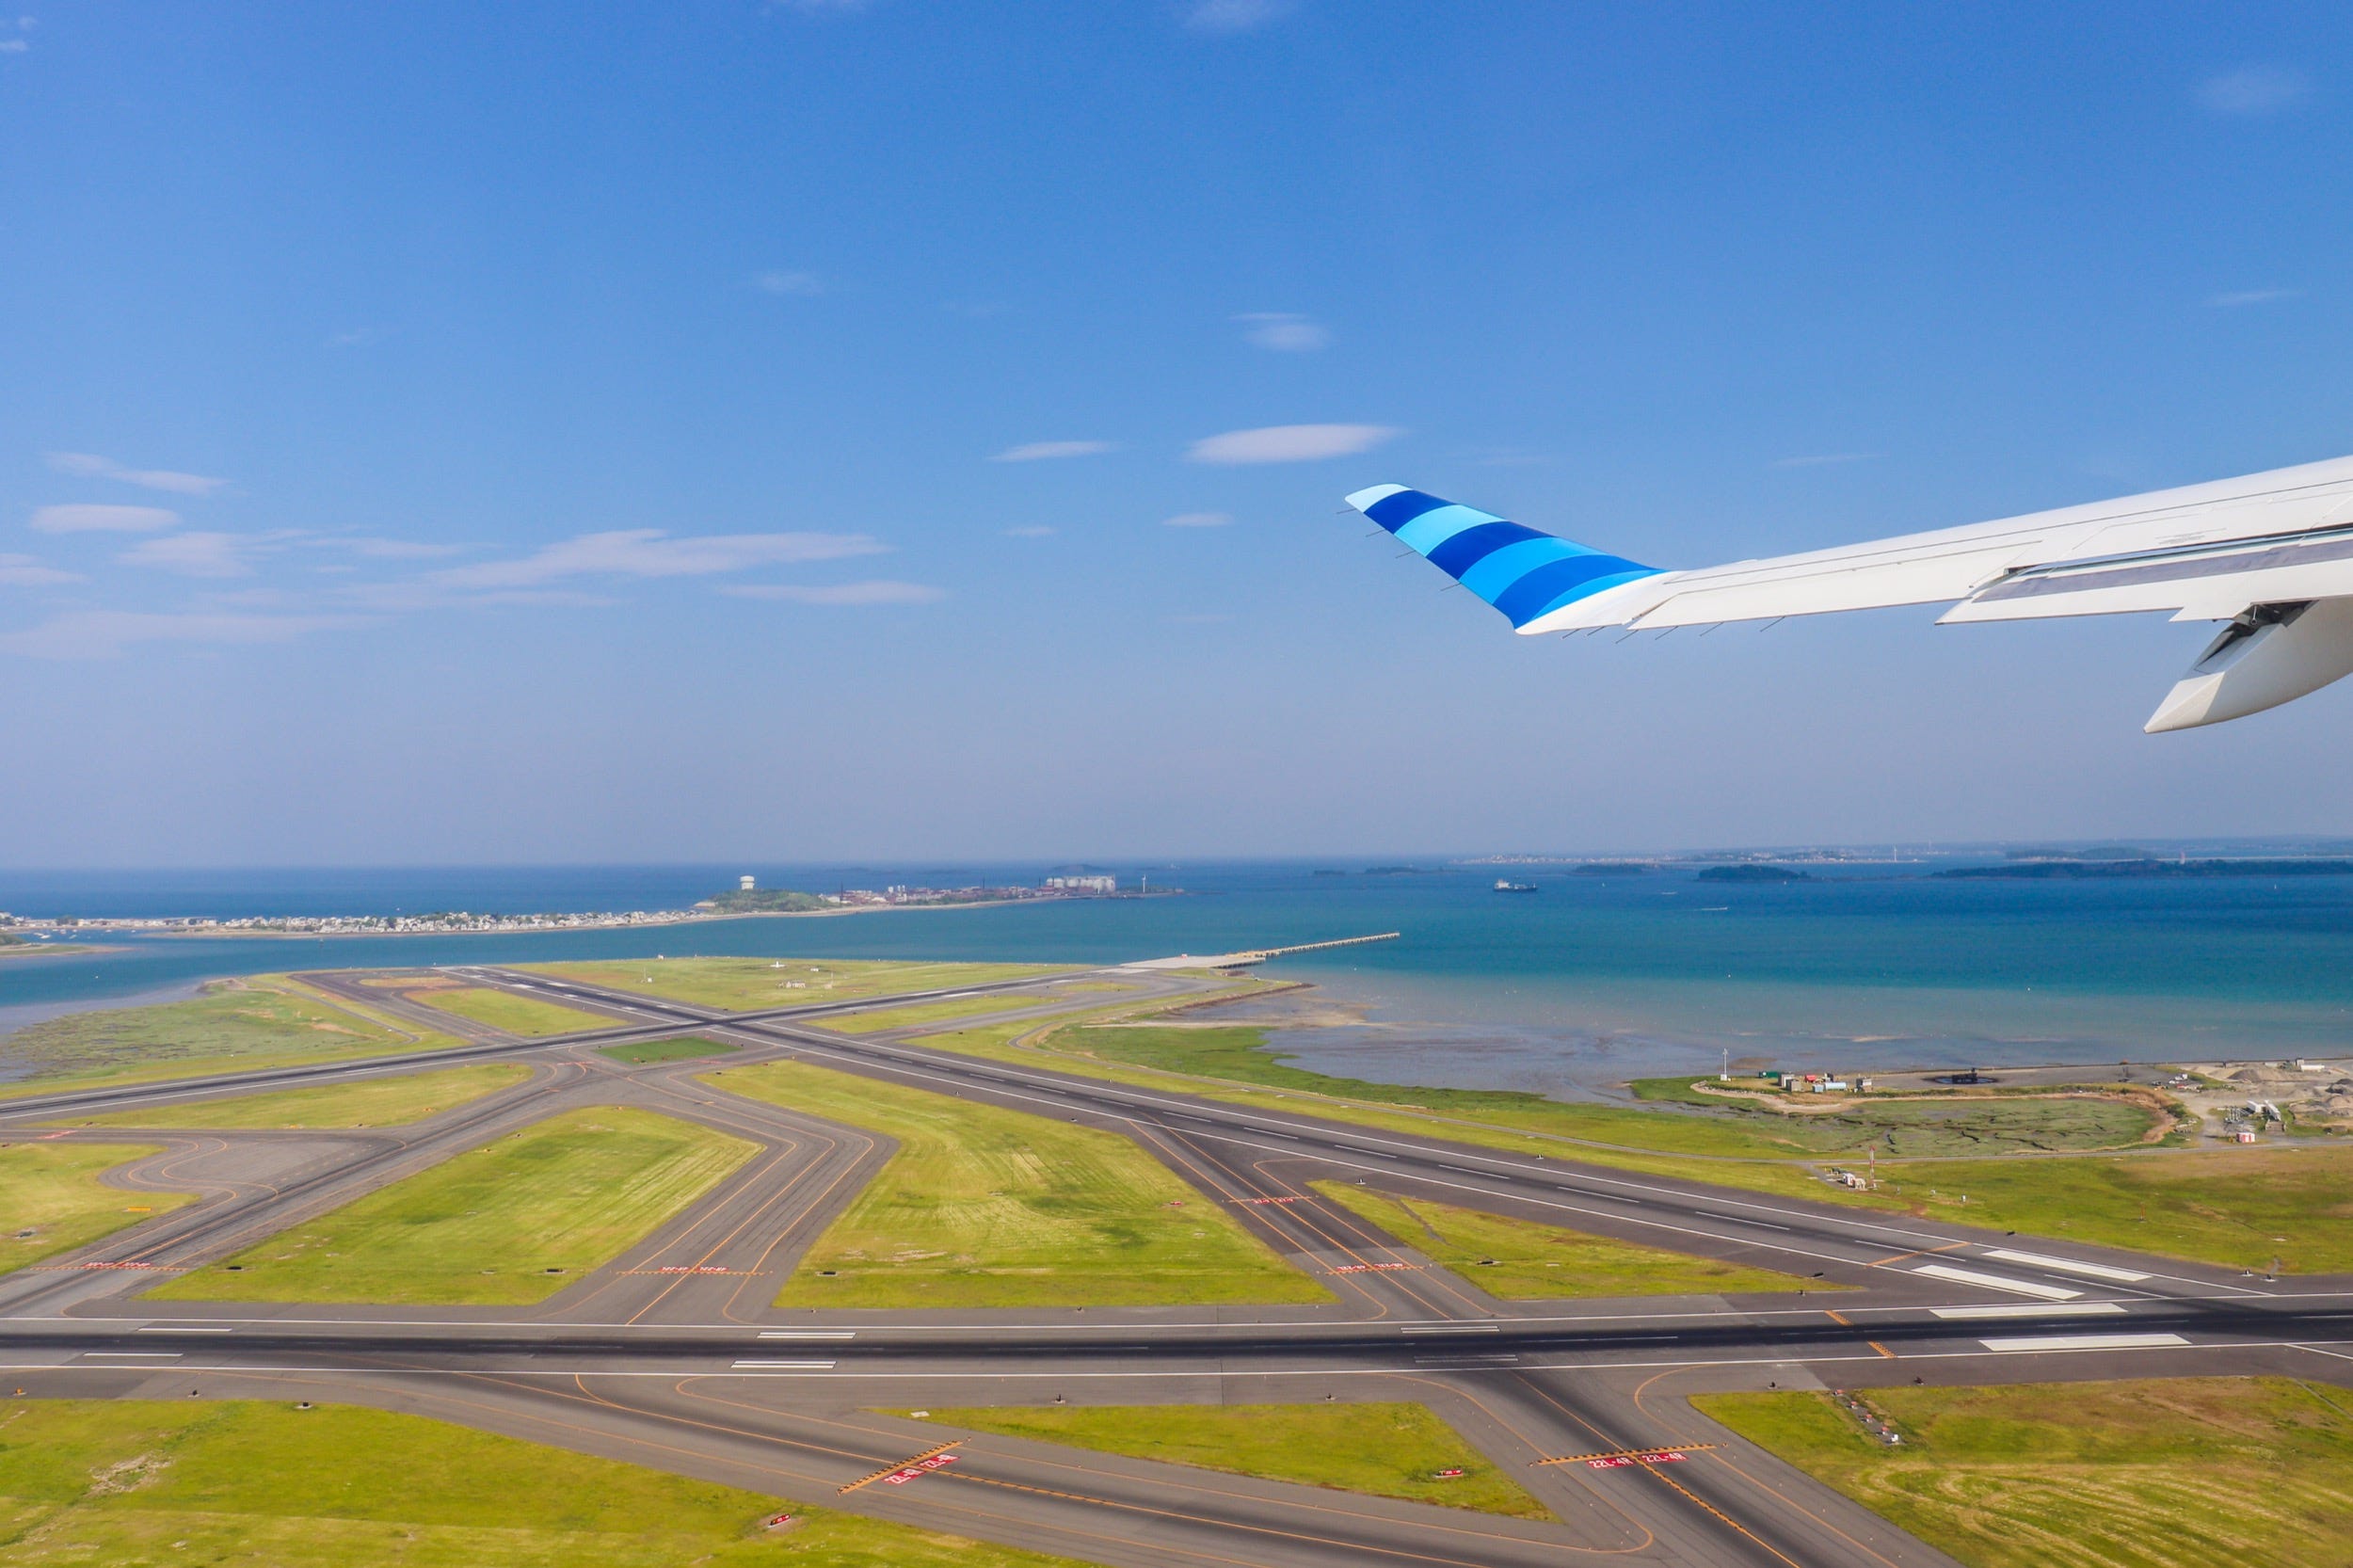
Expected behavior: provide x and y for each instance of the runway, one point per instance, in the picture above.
(671, 1355)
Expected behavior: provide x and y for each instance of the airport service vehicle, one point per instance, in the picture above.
(2269, 555)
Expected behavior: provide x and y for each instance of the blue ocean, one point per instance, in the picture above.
(1570, 989)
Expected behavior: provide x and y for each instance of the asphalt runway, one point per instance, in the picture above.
(672, 1356)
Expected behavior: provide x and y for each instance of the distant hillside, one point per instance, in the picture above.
(2078, 869)
(765, 901)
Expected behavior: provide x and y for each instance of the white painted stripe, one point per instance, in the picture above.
(2037, 1260)
(180, 1328)
(1457, 1328)
(2086, 1342)
(808, 1333)
(1996, 1282)
(785, 1365)
(2030, 1309)
(138, 1355)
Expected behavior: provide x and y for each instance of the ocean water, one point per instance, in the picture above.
(1570, 989)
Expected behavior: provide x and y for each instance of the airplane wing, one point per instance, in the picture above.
(2271, 553)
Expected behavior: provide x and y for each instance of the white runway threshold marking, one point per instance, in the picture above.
(1996, 1282)
(2066, 1265)
(2032, 1309)
(2086, 1342)
(783, 1366)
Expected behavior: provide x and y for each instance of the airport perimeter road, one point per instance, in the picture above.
(672, 1355)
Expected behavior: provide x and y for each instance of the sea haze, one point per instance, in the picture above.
(1572, 988)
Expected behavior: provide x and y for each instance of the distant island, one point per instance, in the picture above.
(1614, 868)
(2072, 870)
(1753, 871)
(765, 901)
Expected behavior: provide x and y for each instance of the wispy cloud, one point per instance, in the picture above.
(1038, 450)
(357, 337)
(1199, 519)
(106, 633)
(1235, 16)
(880, 591)
(1822, 459)
(1030, 531)
(805, 284)
(24, 571)
(2253, 90)
(1284, 332)
(19, 44)
(94, 518)
(2240, 298)
(193, 554)
(87, 465)
(650, 552)
(1291, 443)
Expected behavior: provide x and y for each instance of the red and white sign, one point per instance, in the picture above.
(900, 1477)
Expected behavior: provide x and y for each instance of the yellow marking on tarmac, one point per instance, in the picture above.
(1881, 1349)
(1630, 1453)
(1924, 1252)
(1838, 1318)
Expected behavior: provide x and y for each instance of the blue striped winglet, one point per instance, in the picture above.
(1521, 572)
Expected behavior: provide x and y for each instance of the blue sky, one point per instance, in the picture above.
(585, 432)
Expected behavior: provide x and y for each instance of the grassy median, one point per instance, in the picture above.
(526, 1016)
(982, 1207)
(51, 1201)
(512, 1221)
(246, 1482)
(1520, 1261)
(235, 1025)
(372, 1102)
(745, 985)
(1386, 1451)
(2175, 1473)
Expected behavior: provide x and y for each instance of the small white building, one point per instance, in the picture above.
(747, 884)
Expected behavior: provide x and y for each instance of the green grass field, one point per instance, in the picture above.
(2189, 1473)
(747, 983)
(1930, 1127)
(51, 1201)
(375, 1102)
(1386, 1451)
(137, 1483)
(928, 1013)
(642, 1053)
(258, 1021)
(2240, 1207)
(512, 1221)
(983, 1206)
(1518, 1261)
(526, 1015)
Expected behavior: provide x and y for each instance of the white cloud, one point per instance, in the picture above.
(90, 466)
(650, 552)
(1822, 459)
(394, 550)
(23, 571)
(1235, 16)
(106, 633)
(92, 519)
(192, 554)
(881, 591)
(1284, 332)
(1030, 531)
(803, 283)
(1034, 451)
(1291, 443)
(356, 336)
(1198, 519)
(2254, 89)
(2240, 298)
(13, 46)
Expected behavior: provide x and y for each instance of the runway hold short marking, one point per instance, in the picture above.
(1373, 1268)
(2032, 1309)
(2065, 1265)
(1996, 1282)
(900, 1477)
(2086, 1342)
(1619, 1462)
(900, 1474)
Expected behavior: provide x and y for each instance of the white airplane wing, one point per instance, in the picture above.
(2271, 553)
